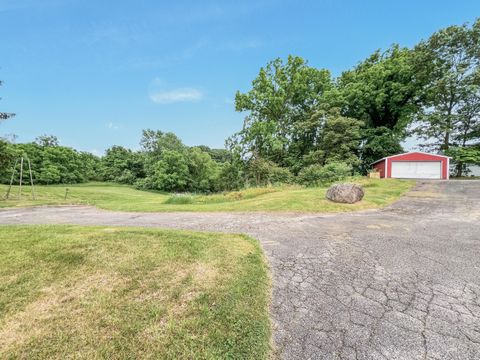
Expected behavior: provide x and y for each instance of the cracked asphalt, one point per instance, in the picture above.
(398, 283)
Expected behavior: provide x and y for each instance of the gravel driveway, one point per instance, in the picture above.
(400, 283)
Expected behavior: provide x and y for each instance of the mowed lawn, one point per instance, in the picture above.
(96, 292)
(378, 193)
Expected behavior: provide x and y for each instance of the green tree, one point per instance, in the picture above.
(91, 166)
(449, 116)
(383, 90)
(122, 165)
(202, 170)
(340, 138)
(217, 155)
(54, 164)
(155, 142)
(278, 125)
(231, 176)
(50, 174)
(6, 158)
(47, 140)
(259, 169)
(463, 156)
(378, 143)
(171, 173)
(67, 161)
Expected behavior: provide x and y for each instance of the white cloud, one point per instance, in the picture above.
(177, 95)
(111, 125)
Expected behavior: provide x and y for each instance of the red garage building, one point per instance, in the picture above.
(413, 165)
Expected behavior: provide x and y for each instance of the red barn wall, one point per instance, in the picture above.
(380, 167)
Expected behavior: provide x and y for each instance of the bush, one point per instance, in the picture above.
(264, 172)
(310, 175)
(127, 177)
(335, 171)
(259, 169)
(230, 177)
(279, 175)
(316, 175)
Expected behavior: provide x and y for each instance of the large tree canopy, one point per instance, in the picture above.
(156, 142)
(383, 90)
(339, 139)
(122, 165)
(279, 125)
(378, 143)
(283, 125)
(450, 112)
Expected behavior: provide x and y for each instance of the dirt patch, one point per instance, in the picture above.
(54, 301)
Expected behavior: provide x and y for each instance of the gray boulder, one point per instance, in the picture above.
(345, 193)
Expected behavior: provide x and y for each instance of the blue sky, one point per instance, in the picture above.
(95, 73)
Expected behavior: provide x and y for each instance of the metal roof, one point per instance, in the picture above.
(410, 152)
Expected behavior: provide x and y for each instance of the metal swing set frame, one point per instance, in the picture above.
(20, 182)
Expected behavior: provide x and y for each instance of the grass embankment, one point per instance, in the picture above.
(378, 193)
(77, 292)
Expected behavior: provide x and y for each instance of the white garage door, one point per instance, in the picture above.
(417, 169)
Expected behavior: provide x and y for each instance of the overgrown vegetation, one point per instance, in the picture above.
(96, 292)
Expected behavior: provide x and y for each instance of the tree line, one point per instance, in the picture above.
(163, 163)
(299, 116)
(303, 125)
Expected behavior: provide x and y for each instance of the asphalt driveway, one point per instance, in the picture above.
(400, 283)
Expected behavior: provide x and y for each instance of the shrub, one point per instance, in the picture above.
(315, 175)
(310, 175)
(230, 177)
(259, 169)
(264, 172)
(280, 175)
(141, 184)
(127, 177)
(335, 171)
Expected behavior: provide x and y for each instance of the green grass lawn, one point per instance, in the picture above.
(96, 292)
(378, 193)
